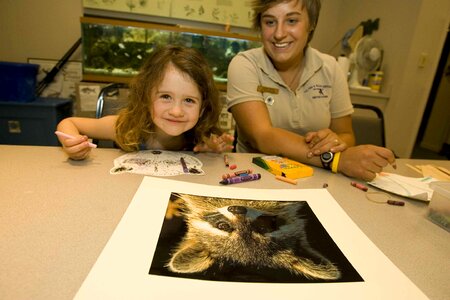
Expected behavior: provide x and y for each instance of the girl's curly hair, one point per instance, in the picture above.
(134, 125)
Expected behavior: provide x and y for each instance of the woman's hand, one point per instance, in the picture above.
(216, 144)
(365, 161)
(322, 141)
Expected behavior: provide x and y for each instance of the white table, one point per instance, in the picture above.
(56, 215)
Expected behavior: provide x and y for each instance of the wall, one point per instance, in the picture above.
(38, 29)
(437, 131)
(408, 28)
(410, 95)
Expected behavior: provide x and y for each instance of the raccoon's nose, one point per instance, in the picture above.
(237, 210)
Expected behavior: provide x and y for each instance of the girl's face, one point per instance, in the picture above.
(176, 103)
(285, 29)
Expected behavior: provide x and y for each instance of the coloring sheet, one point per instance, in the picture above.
(157, 163)
(410, 187)
(194, 241)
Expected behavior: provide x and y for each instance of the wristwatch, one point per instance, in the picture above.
(327, 158)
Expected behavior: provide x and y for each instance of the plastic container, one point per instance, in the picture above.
(439, 209)
(17, 82)
(375, 81)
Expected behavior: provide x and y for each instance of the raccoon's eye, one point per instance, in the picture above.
(224, 226)
(264, 224)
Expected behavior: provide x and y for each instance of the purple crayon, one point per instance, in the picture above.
(239, 179)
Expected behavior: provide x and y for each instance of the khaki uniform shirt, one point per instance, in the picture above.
(321, 95)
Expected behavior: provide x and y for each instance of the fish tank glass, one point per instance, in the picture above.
(114, 50)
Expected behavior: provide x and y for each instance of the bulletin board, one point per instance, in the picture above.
(227, 12)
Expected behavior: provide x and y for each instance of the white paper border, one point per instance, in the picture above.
(121, 271)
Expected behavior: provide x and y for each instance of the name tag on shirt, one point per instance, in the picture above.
(266, 89)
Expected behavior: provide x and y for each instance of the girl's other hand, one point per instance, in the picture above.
(216, 144)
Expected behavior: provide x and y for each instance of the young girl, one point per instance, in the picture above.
(173, 105)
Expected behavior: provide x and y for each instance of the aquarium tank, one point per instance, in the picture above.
(114, 50)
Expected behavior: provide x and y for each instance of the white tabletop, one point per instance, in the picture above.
(56, 215)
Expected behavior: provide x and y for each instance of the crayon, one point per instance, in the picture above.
(395, 202)
(68, 136)
(239, 179)
(225, 160)
(237, 173)
(285, 179)
(359, 186)
(183, 164)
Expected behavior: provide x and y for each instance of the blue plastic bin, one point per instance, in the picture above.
(17, 81)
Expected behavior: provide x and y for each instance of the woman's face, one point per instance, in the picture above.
(285, 29)
(176, 103)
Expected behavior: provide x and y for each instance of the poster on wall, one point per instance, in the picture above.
(64, 84)
(195, 241)
(153, 7)
(226, 12)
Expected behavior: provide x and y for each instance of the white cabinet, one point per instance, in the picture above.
(369, 98)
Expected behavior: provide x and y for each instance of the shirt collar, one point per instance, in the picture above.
(312, 63)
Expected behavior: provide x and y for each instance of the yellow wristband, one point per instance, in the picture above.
(335, 163)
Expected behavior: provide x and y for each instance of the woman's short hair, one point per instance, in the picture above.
(312, 8)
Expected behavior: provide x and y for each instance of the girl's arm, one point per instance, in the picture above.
(83, 128)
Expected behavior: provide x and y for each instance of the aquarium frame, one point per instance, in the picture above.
(154, 26)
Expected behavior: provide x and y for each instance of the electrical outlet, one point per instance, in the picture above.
(423, 58)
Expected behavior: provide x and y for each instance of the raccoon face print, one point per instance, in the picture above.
(249, 233)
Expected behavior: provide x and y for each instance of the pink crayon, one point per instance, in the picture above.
(68, 136)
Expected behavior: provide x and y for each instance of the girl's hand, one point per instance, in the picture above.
(216, 144)
(322, 141)
(77, 148)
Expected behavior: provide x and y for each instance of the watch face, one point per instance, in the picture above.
(327, 156)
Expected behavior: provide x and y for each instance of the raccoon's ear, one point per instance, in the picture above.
(191, 257)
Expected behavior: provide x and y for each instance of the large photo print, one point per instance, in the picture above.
(226, 239)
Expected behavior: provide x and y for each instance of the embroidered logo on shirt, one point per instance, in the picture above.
(318, 91)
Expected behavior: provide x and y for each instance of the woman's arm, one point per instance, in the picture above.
(356, 161)
(254, 124)
(337, 138)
